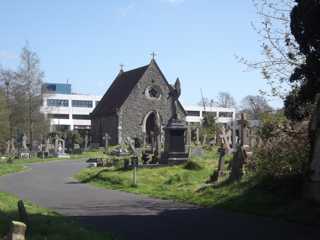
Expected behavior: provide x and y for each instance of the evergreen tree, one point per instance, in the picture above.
(305, 27)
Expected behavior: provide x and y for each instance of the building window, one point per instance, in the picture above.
(80, 117)
(82, 103)
(58, 116)
(226, 114)
(57, 103)
(209, 114)
(153, 92)
(193, 113)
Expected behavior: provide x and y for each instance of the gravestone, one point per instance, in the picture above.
(175, 145)
(24, 153)
(197, 136)
(8, 147)
(106, 139)
(59, 147)
(17, 231)
(222, 153)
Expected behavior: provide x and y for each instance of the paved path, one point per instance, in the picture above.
(138, 217)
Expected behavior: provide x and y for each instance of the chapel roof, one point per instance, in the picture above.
(119, 90)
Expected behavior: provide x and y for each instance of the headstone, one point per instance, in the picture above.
(60, 148)
(237, 162)
(222, 153)
(17, 231)
(23, 215)
(197, 136)
(8, 147)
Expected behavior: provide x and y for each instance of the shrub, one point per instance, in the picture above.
(285, 148)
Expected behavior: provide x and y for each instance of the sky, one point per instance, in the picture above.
(84, 42)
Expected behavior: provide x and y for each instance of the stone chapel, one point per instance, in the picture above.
(135, 105)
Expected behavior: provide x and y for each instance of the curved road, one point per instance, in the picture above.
(132, 216)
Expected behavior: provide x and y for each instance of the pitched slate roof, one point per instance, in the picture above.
(119, 91)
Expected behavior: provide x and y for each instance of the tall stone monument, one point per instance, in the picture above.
(175, 151)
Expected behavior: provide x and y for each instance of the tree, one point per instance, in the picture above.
(225, 100)
(305, 28)
(280, 51)
(4, 120)
(25, 100)
(206, 102)
(254, 106)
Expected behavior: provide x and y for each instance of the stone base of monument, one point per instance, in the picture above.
(312, 191)
(175, 145)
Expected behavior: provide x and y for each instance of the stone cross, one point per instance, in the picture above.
(225, 140)
(153, 55)
(106, 141)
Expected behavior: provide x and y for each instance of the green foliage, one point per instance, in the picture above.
(305, 78)
(270, 122)
(209, 126)
(285, 148)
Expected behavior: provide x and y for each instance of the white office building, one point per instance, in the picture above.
(69, 111)
(195, 114)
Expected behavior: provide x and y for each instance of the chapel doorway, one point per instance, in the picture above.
(151, 128)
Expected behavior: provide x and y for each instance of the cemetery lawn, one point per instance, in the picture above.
(44, 224)
(251, 195)
(18, 165)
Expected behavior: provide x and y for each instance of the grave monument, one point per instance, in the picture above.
(175, 151)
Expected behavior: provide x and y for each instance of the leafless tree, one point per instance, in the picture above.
(280, 53)
(225, 100)
(255, 105)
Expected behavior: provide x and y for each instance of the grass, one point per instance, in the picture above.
(250, 195)
(44, 224)
(19, 164)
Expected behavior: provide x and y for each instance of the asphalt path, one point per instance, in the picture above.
(132, 216)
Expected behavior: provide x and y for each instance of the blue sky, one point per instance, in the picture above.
(85, 41)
